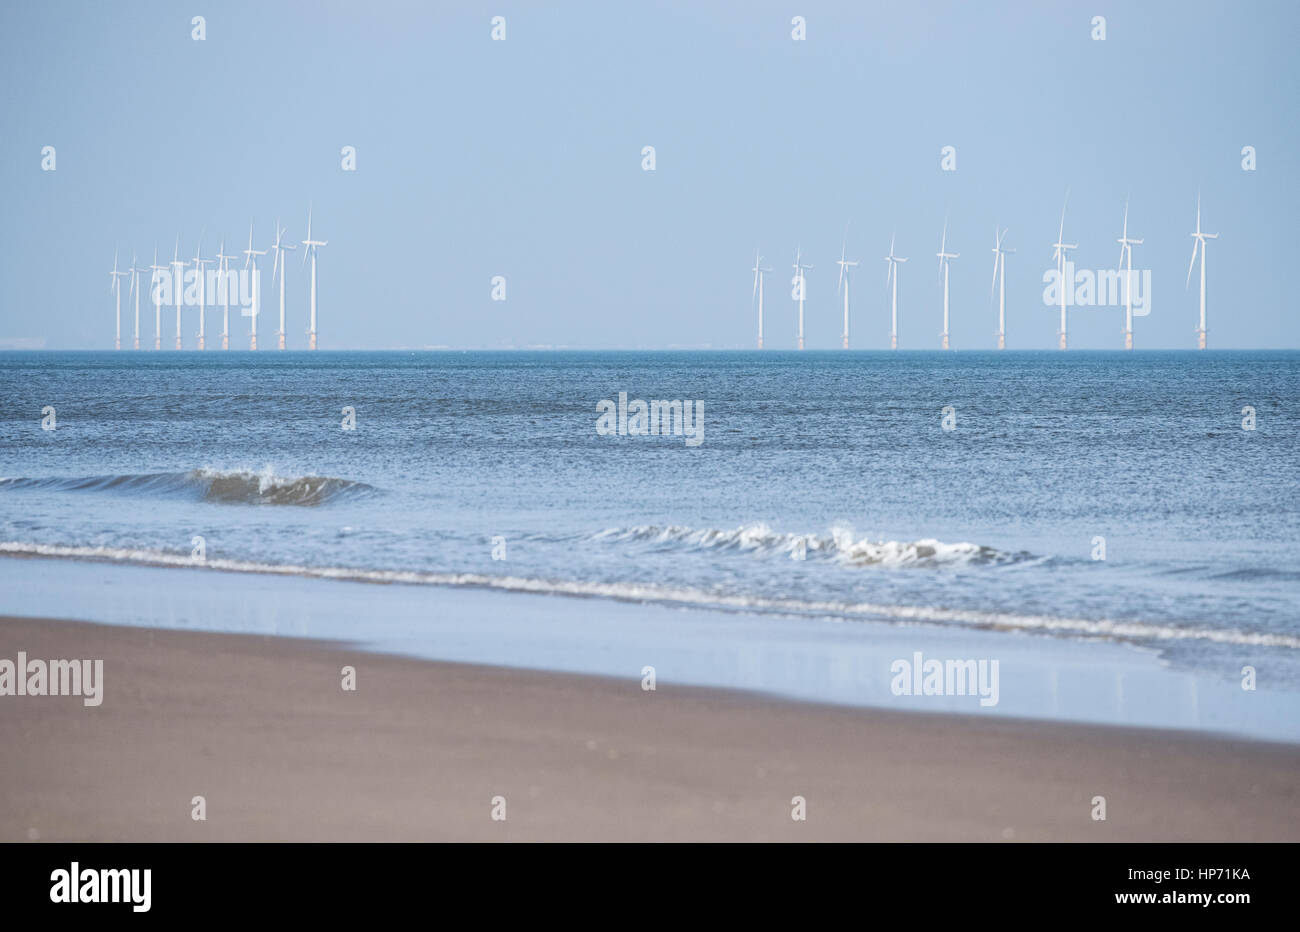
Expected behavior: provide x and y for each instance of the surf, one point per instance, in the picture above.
(223, 487)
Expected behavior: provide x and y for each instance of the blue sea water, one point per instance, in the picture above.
(825, 484)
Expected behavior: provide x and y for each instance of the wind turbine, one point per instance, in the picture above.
(115, 286)
(758, 271)
(1126, 251)
(845, 265)
(250, 255)
(223, 289)
(1201, 244)
(1061, 253)
(178, 279)
(135, 290)
(312, 245)
(278, 265)
(892, 274)
(157, 299)
(944, 258)
(1000, 281)
(201, 265)
(800, 281)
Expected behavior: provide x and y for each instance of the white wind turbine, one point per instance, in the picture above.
(200, 264)
(312, 245)
(278, 247)
(1126, 252)
(223, 289)
(115, 286)
(1000, 282)
(944, 258)
(758, 271)
(891, 274)
(178, 279)
(845, 265)
(157, 299)
(135, 290)
(250, 255)
(800, 282)
(1061, 253)
(1201, 244)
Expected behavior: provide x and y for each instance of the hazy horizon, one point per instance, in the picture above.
(523, 158)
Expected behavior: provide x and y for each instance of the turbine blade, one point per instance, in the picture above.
(1190, 265)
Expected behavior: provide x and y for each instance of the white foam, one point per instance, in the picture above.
(840, 545)
(646, 592)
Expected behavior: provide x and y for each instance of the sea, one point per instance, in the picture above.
(1052, 501)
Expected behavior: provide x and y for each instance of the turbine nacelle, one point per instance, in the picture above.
(999, 256)
(893, 260)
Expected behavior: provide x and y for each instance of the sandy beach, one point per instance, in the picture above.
(263, 730)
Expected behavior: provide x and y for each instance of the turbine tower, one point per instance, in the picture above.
(845, 265)
(892, 275)
(944, 258)
(1126, 252)
(312, 245)
(1062, 255)
(223, 289)
(1199, 244)
(1000, 282)
(178, 279)
(157, 299)
(800, 281)
(758, 271)
(115, 286)
(250, 255)
(278, 265)
(135, 290)
(201, 265)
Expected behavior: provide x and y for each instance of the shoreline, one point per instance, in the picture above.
(261, 727)
(795, 658)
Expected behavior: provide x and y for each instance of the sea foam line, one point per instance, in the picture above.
(643, 592)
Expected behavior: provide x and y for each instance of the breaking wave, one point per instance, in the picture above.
(840, 545)
(226, 487)
(1138, 631)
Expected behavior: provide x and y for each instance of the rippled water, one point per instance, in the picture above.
(825, 483)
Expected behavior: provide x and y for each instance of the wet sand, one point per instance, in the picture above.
(263, 730)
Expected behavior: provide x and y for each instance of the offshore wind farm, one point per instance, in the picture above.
(1122, 282)
(222, 281)
(170, 283)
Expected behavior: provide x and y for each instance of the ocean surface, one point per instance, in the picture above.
(825, 485)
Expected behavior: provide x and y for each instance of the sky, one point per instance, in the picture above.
(523, 159)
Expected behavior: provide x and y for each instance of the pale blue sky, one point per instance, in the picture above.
(522, 158)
